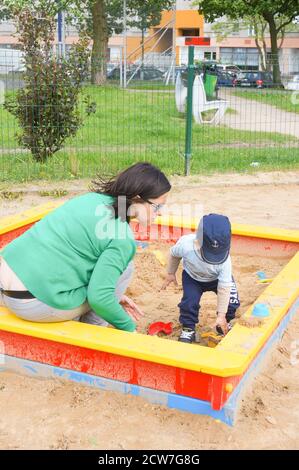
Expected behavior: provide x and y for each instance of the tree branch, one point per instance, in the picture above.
(286, 23)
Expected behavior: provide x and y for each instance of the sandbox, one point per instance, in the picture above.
(193, 378)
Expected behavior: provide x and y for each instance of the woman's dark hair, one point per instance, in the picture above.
(142, 179)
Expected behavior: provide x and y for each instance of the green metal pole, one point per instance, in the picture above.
(188, 141)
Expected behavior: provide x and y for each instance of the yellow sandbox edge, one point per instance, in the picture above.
(231, 357)
(7, 224)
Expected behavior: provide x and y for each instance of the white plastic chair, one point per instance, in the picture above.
(201, 104)
(180, 94)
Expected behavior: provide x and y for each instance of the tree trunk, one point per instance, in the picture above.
(100, 43)
(274, 49)
(262, 54)
(260, 26)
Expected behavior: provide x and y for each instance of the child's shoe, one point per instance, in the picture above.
(187, 335)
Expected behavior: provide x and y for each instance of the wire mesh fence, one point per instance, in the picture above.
(257, 126)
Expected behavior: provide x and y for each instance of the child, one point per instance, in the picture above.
(206, 267)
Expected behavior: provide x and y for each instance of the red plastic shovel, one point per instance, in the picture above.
(160, 327)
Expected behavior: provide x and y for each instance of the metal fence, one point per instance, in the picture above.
(152, 119)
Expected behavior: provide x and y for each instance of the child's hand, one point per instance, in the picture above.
(169, 279)
(221, 321)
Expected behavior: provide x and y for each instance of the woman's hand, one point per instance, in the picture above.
(169, 279)
(131, 308)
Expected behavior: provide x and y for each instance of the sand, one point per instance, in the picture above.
(52, 414)
(150, 274)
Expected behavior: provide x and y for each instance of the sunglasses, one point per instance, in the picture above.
(156, 207)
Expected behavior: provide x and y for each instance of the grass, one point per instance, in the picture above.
(56, 193)
(130, 126)
(142, 85)
(204, 161)
(208, 115)
(231, 111)
(282, 99)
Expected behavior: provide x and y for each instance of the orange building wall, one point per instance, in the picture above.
(134, 44)
(184, 19)
(163, 44)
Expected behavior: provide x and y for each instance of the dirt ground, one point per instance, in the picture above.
(52, 414)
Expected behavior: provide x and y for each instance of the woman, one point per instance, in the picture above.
(78, 259)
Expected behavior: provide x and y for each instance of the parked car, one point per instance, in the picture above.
(110, 66)
(149, 73)
(225, 79)
(228, 68)
(293, 84)
(254, 79)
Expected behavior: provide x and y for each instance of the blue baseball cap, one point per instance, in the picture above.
(214, 235)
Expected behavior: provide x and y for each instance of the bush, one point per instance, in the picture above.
(47, 106)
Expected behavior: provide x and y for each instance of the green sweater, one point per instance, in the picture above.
(74, 254)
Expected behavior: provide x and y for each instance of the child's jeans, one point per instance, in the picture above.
(190, 303)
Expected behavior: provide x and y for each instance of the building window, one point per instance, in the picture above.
(10, 46)
(251, 30)
(209, 55)
(243, 57)
(188, 32)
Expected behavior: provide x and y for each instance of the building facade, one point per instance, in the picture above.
(165, 44)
